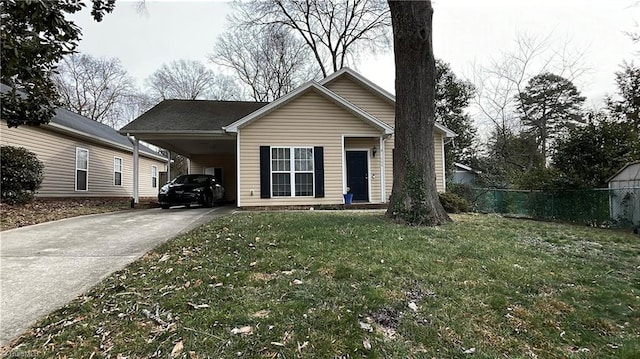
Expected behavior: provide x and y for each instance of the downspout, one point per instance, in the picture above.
(136, 167)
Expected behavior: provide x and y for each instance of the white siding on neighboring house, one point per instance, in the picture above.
(624, 194)
(57, 151)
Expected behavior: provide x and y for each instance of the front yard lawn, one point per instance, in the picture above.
(344, 285)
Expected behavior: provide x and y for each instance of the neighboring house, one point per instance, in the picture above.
(464, 174)
(304, 148)
(624, 194)
(83, 158)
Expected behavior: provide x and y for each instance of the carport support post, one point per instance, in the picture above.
(168, 166)
(136, 170)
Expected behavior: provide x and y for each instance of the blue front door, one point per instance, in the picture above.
(358, 174)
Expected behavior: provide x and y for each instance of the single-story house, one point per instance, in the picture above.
(464, 174)
(83, 158)
(624, 194)
(306, 148)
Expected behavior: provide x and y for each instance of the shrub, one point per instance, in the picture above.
(465, 191)
(22, 174)
(453, 203)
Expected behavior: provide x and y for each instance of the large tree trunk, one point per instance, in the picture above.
(414, 198)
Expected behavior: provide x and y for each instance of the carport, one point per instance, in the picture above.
(194, 129)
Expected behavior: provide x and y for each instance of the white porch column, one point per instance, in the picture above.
(168, 167)
(136, 170)
(382, 157)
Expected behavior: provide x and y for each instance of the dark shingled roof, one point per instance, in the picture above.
(192, 115)
(88, 126)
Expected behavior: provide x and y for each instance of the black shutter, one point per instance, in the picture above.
(318, 165)
(265, 172)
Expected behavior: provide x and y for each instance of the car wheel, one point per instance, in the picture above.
(207, 201)
(165, 206)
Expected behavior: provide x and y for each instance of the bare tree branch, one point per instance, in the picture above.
(97, 88)
(189, 80)
(271, 65)
(335, 31)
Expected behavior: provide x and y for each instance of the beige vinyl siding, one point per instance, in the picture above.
(225, 161)
(364, 99)
(376, 106)
(385, 111)
(57, 152)
(145, 189)
(388, 167)
(309, 120)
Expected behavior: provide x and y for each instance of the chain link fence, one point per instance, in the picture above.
(597, 207)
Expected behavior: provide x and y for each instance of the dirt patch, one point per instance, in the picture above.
(45, 210)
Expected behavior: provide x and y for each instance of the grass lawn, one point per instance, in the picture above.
(344, 285)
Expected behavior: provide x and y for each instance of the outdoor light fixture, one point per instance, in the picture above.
(373, 151)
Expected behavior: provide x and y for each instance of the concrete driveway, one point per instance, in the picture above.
(43, 267)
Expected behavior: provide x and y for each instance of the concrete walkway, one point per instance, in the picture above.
(43, 267)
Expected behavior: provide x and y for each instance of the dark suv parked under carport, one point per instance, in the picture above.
(191, 189)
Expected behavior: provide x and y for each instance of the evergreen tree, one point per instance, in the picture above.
(35, 36)
(549, 106)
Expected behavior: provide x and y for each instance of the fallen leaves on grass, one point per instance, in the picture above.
(246, 330)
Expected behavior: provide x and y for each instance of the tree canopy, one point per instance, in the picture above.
(627, 107)
(335, 31)
(190, 80)
(35, 37)
(548, 106)
(451, 99)
(274, 63)
(97, 88)
(590, 154)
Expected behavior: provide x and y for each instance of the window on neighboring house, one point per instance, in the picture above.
(117, 171)
(292, 171)
(154, 176)
(82, 169)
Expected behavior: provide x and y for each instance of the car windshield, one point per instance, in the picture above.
(191, 179)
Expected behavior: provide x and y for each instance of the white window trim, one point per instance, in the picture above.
(292, 172)
(75, 175)
(154, 174)
(121, 170)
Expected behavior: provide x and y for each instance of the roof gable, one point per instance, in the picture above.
(323, 91)
(374, 89)
(628, 165)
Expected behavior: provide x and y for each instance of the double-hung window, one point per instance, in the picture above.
(154, 176)
(292, 171)
(117, 171)
(82, 169)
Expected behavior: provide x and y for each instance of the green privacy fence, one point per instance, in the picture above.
(600, 207)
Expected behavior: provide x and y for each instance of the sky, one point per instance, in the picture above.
(466, 33)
